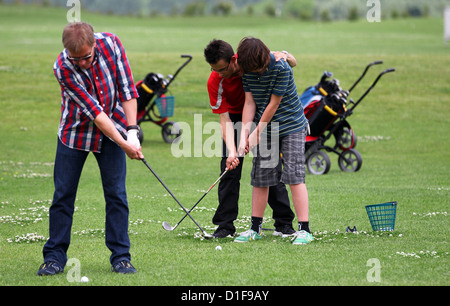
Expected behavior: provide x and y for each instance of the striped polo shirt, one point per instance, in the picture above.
(277, 80)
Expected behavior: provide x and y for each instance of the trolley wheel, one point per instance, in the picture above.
(346, 139)
(170, 131)
(350, 161)
(318, 163)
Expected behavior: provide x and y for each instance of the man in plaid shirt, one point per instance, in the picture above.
(98, 108)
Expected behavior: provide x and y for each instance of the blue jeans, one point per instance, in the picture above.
(68, 166)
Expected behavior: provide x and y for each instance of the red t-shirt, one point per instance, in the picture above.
(226, 95)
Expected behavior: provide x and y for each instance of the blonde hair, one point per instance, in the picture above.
(76, 35)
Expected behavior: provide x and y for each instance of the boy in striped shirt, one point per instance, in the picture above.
(227, 97)
(272, 103)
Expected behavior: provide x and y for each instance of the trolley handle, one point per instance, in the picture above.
(372, 86)
(364, 73)
(189, 58)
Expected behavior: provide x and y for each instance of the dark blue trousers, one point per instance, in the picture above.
(67, 170)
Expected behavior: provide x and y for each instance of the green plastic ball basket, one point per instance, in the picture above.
(382, 216)
(165, 106)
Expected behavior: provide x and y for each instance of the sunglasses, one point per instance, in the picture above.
(221, 70)
(83, 58)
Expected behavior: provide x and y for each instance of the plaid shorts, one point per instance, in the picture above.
(266, 171)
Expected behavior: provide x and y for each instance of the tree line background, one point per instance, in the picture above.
(320, 10)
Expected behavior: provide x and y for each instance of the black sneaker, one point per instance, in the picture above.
(223, 233)
(284, 231)
(123, 267)
(50, 268)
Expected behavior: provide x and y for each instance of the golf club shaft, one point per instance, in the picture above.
(212, 186)
(173, 196)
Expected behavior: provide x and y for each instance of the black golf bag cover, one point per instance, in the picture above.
(147, 88)
(330, 86)
(325, 113)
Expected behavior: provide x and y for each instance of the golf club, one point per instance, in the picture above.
(205, 234)
(168, 227)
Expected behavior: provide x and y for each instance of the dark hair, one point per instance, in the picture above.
(253, 54)
(217, 50)
(76, 35)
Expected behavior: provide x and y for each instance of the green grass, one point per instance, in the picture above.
(401, 126)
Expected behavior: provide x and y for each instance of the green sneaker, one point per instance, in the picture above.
(302, 237)
(248, 236)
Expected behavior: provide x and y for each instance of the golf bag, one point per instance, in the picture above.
(322, 104)
(154, 106)
(327, 109)
(150, 86)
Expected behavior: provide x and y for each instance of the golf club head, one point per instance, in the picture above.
(167, 226)
(207, 236)
(170, 228)
(326, 75)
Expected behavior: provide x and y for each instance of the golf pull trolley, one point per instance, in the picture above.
(327, 108)
(155, 106)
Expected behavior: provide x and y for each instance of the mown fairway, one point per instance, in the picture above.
(402, 136)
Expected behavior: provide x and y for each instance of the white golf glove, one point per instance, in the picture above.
(132, 137)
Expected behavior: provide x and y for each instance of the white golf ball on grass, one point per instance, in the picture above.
(218, 248)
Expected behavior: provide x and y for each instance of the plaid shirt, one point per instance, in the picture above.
(86, 93)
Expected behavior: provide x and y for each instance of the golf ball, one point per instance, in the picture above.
(84, 279)
(218, 248)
